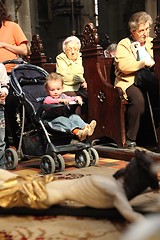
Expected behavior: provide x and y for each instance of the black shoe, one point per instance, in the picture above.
(131, 144)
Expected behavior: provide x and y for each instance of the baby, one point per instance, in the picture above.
(73, 124)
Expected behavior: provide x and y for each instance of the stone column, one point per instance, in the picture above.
(11, 8)
(20, 12)
(151, 8)
(24, 18)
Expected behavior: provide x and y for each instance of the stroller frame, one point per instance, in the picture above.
(51, 157)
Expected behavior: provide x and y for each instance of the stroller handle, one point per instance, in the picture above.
(15, 61)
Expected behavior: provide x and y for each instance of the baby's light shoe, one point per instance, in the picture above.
(91, 127)
(82, 134)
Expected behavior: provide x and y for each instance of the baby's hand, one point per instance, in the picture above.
(79, 100)
(65, 101)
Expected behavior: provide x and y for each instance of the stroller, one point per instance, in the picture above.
(37, 139)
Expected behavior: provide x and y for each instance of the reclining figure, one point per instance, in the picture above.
(95, 191)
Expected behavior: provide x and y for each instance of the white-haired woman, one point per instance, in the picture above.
(69, 65)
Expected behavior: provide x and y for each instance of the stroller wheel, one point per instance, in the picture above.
(82, 159)
(47, 164)
(59, 163)
(11, 158)
(94, 157)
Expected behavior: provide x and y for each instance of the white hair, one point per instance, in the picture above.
(139, 18)
(71, 39)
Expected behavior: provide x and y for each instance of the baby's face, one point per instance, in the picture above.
(72, 51)
(55, 89)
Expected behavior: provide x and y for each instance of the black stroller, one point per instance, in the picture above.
(36, 138)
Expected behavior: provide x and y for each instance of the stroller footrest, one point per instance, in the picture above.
(72, 147)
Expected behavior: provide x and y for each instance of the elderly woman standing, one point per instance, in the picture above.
(134, 61)
(69, 65)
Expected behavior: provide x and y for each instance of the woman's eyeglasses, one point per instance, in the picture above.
(74, 49)
(142, 31)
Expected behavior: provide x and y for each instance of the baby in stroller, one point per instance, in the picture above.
(48, 131)
(73, 123)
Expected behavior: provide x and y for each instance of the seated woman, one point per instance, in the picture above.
(130, 66)
(73, 124)
(69, 65)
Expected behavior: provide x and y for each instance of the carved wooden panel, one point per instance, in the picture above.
(90, 36)
(37, 56)
(156, 47)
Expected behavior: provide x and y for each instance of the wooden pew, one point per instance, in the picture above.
(105, 102)
(156, 47)
(156, 53)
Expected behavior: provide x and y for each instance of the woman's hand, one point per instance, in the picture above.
(3, 96)
(79, 100)
(84, 85)
(149, 63)
(77, 79)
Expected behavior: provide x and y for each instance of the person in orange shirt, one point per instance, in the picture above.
(13, 43)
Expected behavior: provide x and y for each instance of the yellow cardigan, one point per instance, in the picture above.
(69, 69)
(126, 64)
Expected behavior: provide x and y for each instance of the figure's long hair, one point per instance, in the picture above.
(3, 13)
(138, 175)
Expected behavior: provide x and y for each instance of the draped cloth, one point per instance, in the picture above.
(27, 191)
